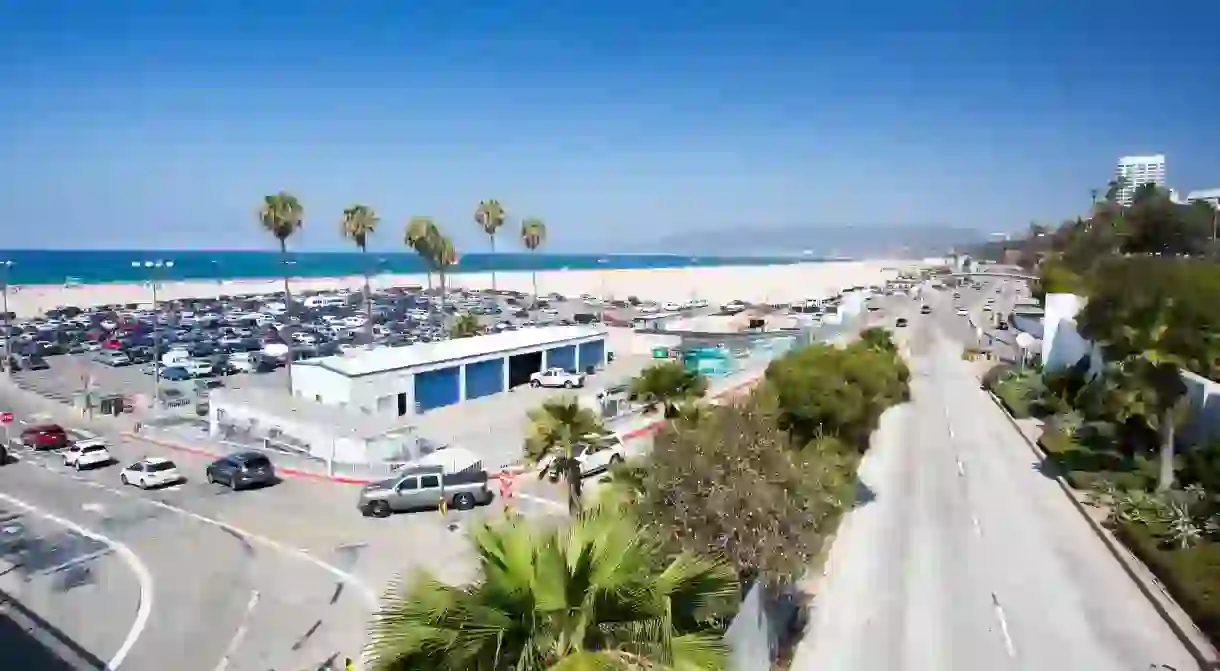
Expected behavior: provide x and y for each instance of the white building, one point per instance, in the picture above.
(1210, 196)
(1136, 171)
(390, 382)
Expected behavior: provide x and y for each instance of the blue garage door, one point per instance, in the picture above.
(437, 388)
(561, 357)
(484, 378)
(593, 354)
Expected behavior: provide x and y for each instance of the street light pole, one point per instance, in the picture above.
(152, 267)
(8, 323)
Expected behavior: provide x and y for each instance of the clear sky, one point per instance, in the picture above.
(125, 124)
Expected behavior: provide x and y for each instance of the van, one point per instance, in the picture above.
(175, 357)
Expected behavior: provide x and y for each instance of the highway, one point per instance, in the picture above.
(967, 557)
(283, 577)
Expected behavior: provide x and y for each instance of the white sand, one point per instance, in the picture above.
(717, 285)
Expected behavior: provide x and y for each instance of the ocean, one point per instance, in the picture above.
(32, 266)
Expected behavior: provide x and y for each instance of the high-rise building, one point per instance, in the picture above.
(1137, 171)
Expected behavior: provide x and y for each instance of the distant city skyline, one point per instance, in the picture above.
(144, 125)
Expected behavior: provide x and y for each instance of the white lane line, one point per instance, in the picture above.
(240, 633)
(978, 528)
(961, 469)
(999, 615)
(143, 577)
(369, 595)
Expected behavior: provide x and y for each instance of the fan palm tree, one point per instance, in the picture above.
(282, 215)
(490, 216)
(583, 596)
(667, 384)
(465, 326)
(444, 256)
(558, 429)
(421, 236)
(533, 236)
(359, 222)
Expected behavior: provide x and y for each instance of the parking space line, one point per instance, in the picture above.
(143, 577)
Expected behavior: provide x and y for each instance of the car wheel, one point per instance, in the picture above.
(379, 509)
(463, 501)
(76, 465)
(143, 483)
(233, 484)
(211, 478)
(123, 479)
(567, 384)
(535, 384)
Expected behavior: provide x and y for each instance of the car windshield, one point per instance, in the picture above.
(92, 448)
(161, 466)
(257, 462)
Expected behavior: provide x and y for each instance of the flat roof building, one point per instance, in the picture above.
(1136, 171)
(1209, 196)
(398, 381)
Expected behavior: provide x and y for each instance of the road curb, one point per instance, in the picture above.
(1205, 658)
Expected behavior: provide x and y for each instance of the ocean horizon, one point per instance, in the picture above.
(58, 267)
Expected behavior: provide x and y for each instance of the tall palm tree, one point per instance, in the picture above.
(668, 384)
(490, 216)
(557, 430)
(359, 222)
(587, 595)
(465, 326)
(421, 235)
(282, 215)
(444, 255)
(533, 236)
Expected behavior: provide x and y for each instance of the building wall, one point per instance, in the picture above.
(485, 378)
(377, 394)
(560, 357)
(321, 384)
(438, 388)
(593, 354)
(1137, 171)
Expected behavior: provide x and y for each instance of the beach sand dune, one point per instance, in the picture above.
(716, 284)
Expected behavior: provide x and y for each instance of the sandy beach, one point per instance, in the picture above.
(717, 285)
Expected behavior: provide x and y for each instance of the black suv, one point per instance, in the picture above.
(241, 470)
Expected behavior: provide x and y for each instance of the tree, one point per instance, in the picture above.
(421, 236)
(533, 236)
(1114, 188)
(444, 256)
(465, 326)
(878, 339)
(558, 430)
(667, 384)
(490, 216)
(359, 222)
(282, 215)
(589, 595)
(729, 484)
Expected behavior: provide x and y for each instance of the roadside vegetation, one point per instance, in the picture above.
(1120, 429)
(650, 575)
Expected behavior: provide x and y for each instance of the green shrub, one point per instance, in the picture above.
(1192, 575)
(995, 375)
(1086, 480)
(1056, 442)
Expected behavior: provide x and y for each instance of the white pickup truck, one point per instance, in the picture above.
(557, 377)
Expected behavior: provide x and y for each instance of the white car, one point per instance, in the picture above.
(87, 453)
(647, 309)
(557, 377)
(549, 312)
(151, 472)
(197, 367)
(242, 362)
(672, 307)
(594, 453)
(962, 312)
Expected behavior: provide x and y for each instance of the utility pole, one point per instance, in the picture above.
(8, 323)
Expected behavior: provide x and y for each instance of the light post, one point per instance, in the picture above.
(8, 323)
(153, 267)
(601, 277)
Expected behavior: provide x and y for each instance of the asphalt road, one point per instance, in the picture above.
(966, 556)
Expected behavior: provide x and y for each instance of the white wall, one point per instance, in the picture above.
(366, 389)
(323, 444)
(1062, 344)
(311, 382)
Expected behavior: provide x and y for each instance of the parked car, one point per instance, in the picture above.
(241, 470)
(423, 487)
(151, 472)
(175, 373)
(557, 377)
(594, 453)
(925, 310)
(901, 322)
(87, 453)
(112, 357)
(45, 437)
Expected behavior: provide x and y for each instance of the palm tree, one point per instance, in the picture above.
(490, 216)
(444, 255)
(533, 236)
(282, 215)
(421, 235)
(465, 326)
(667, 384)
(359, 222)
(557, 430)
(587, 595)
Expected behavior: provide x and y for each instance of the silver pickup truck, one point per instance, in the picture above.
(424, 487)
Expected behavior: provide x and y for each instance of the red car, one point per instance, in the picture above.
(45, 437)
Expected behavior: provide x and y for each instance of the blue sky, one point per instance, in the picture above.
(128, 125)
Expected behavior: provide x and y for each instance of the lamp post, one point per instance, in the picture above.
(153, 268)
(8, 323)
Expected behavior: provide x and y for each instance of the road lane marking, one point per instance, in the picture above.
(143, 577)
(978, 529)
(961, 469)
(999, 615)
(240, 633)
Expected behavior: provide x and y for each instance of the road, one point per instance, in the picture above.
(967, 557)
(281, 577)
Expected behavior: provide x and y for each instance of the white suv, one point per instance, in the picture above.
(86, 454)
(557, 377)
